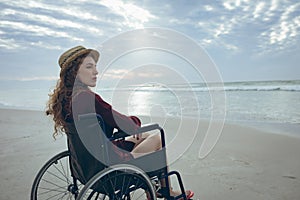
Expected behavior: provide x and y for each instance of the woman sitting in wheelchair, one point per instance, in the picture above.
(72, 98)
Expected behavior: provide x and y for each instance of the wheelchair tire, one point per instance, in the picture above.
(54, 180)
(121, 181)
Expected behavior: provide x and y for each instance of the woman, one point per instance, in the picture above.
(73, 97)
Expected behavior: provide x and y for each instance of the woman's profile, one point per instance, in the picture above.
(72, 97)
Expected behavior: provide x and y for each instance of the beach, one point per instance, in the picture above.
(245, 163)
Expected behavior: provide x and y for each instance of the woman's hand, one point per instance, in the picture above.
(136, 120)
(137, 136)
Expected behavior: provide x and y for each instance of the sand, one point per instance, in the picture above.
(245, 163)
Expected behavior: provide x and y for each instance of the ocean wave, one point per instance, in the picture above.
(264, 88)
(292, 88)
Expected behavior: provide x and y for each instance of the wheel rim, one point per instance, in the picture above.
(54, 180)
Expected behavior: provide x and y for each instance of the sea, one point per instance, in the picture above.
(271, 105)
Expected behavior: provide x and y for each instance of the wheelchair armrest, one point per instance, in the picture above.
(143, 129)
(146, 128)
(150, 127)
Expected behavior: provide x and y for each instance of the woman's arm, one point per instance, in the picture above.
(89, 102)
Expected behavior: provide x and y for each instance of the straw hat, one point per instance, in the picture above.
(73, 53)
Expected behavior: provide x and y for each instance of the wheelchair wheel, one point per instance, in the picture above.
(54, 180)
(119, 182)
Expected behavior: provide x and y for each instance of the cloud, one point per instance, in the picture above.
(51, 21)
(258, 10)
(9, 44)
(45, 45)
(217, 29)
(31, 23)
(272, 8)
(36, 30)
(228, 25)
(126, 74)
(223, 29)
(41, 78)
(233, 4)
(69, 10)
(208, 8)
(133, 16)
(115, 74)
(31, 78)
(263, 26)
(285, 32)
(37, 24)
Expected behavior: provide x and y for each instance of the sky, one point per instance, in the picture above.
(246, 40)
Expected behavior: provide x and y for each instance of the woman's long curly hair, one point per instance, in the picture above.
(59, 104)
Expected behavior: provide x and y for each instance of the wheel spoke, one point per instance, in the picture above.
(62, 172)
(56, 176)
(123, 184)
(54, 179)
(53, 182)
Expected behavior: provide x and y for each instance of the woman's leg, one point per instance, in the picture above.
(151, 142)
(148, 143)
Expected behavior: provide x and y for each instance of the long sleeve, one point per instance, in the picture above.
(89, 102)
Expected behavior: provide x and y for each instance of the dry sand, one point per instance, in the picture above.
(245, 163)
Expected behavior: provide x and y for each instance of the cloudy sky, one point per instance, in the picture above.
(246, 39)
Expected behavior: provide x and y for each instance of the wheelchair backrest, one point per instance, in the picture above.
(88, 146)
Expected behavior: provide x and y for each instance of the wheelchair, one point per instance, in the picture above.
(62, 177)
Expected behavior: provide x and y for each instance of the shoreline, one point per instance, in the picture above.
(281, 128)
(271, 127)
(245, 163)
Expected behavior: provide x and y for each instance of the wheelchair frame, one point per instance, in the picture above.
(55, 179)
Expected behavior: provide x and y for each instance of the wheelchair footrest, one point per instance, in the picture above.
(164, 192)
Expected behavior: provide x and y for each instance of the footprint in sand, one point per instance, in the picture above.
(290, 177)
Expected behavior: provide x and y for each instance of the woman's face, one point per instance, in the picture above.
(87, 72)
